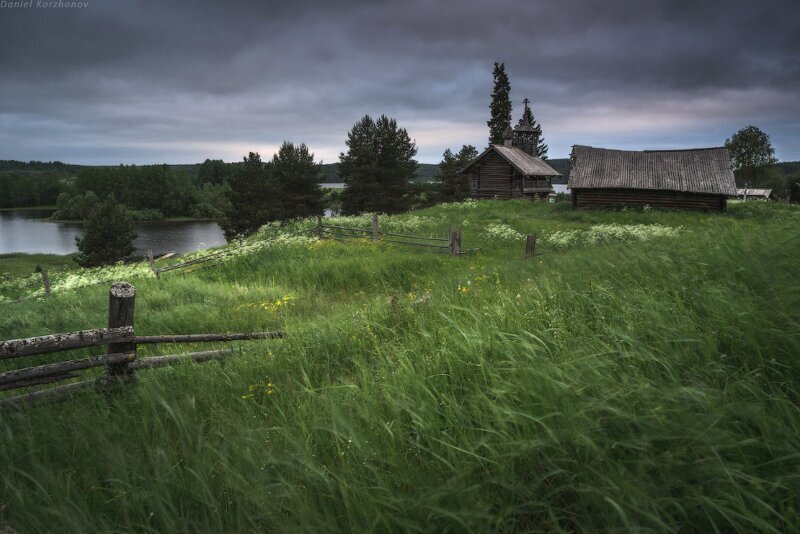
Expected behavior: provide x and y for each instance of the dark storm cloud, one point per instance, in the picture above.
(139, 81)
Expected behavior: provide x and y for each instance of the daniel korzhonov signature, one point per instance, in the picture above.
(42, 4)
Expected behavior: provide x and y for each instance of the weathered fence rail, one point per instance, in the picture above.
(160, 361)
(57, 369)
(120, 359)
(330, 226)
(15, 348)
(416, 237)
(200, 338)
(38, 381)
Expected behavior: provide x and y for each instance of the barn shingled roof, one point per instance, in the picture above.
(526, 164)
(702, 170)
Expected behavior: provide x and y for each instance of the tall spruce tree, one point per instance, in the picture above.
(377, 167)
(540, 150)
(254, 197)
(108, 234)
(297, 176)
(455, 186)
(213, 171)
(500, 108)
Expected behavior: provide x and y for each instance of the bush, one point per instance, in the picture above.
(206, 211)
(332, 199)
(501, 232)
(601, 233)
(108, 235)
(147, 214)
(74, 207)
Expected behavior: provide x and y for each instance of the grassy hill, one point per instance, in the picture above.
(639, 373)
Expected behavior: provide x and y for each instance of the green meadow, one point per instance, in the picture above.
(20, 265)
(640, 372)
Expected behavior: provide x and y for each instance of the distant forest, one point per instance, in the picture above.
(155, 191)
(150, 192)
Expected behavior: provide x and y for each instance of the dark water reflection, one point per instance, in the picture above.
(30, 231)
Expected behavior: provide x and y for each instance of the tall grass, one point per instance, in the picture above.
(642, 385)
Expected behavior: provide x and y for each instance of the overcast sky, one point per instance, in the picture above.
(132, 81)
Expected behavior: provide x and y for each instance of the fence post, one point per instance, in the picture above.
(121, 300)
(455, 242)
(530, 245)
(374, 226)
(46, 282)
(152, 263)
(319, 226)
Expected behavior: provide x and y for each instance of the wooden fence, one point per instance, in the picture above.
(449, 245)
(120, 359)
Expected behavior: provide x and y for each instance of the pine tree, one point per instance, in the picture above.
(255, 198)
(358, 168)
(455, 186)
(213, 171)
(500, 108)
(297, 176)
(378, 167)
(540, 150)
(108, 235)
(448, 168)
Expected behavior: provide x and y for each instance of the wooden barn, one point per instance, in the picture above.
(510, 170)
(699, 179)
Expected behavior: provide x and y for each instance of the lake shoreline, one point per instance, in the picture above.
(34, 232)
(143, 221)
(80, 221)
(30, 208)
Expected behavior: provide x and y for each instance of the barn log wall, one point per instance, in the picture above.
(494, 178)
(600, 198)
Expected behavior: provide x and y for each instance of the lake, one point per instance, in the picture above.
(30, 231)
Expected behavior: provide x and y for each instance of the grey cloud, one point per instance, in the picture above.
(176, 81)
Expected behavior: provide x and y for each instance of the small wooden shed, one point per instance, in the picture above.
(699, 179)
(505, 172)
(753, 194)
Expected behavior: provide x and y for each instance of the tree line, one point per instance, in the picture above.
(149, 192)
(24, 189)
